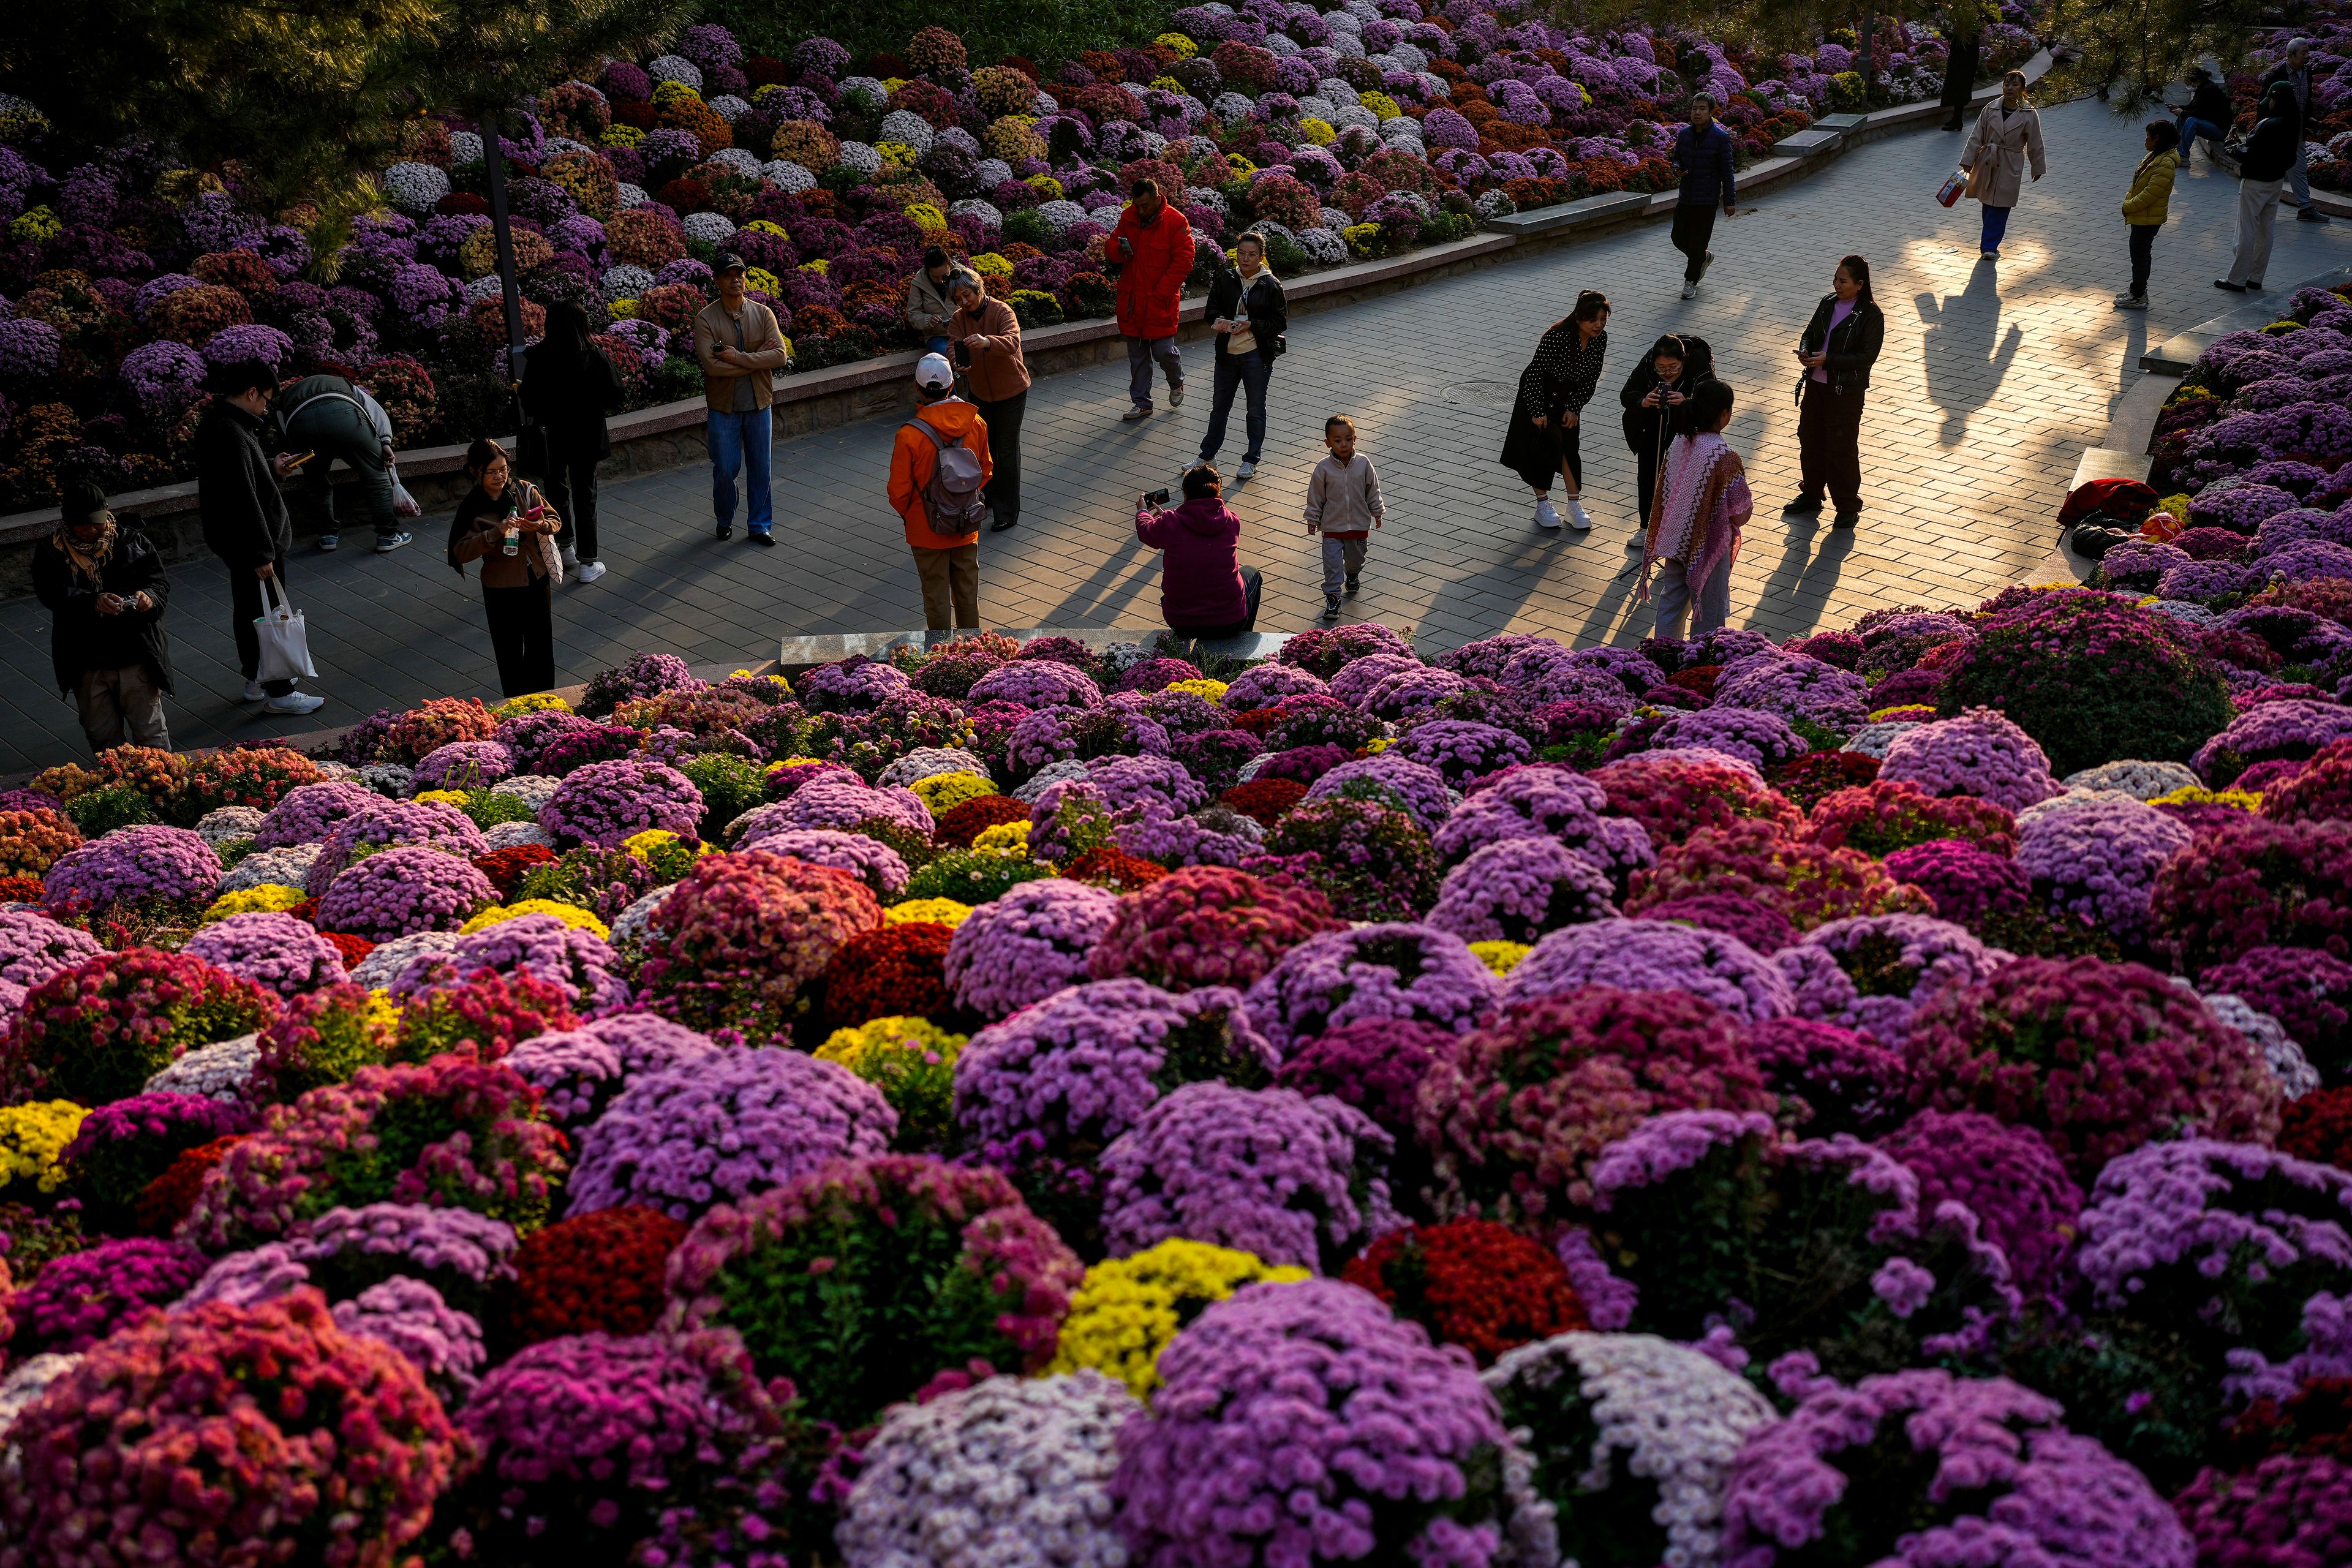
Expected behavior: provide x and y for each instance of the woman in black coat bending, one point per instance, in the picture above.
(1541, 444)
(569, 385)
(1839, 345)
(1657, 398)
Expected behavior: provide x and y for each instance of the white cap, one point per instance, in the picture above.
(933, 371)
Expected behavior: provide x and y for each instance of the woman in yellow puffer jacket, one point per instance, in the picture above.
(2146, 205)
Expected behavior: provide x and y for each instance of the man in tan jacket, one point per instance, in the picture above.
(740, 348)
(986, 338)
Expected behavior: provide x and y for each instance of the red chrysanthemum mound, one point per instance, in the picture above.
(1265, 799)
(1808, 884)
(598, 1273)
(348, 948)
(1887, 814)
(17, 889)
(98, 1031)
(2253, 882)
(1808, 780)
(2322, 792)
(506, 867)
(1515, 1116)
(492, 1012)
(1208, 925)
(2318, 1128)
(896, 971)
(206, 1435)
(1472, 1283)
(164, 1202)
(2098, 1057)
(435, 724)
(964, 823)
(737, 942)
(1673, 797)
(1106, 867)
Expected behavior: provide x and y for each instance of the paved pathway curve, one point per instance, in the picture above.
(1994, 379)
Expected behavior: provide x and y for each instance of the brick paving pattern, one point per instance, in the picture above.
(1993, 381)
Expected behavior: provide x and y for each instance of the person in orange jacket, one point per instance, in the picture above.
(942, 520)
(1152, 248)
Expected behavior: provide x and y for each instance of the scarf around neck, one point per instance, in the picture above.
(87, 564)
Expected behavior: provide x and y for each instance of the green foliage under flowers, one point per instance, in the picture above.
(601, 881)
(101, 811)
(909, 845)
(731, 785)
(971, 877)
(1607, 1521)
(2136, 1388)
(488, 807)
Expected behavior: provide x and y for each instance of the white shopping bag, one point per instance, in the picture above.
(285, 642)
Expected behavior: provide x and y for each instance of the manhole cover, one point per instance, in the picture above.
(1482, 393)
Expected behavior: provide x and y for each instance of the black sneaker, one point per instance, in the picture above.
(2311, 215)
(1351, 584)
(726, 530)
(2232, 287)
(765, 541)
(1804, 504)
(1331, 606)
(1845, 520)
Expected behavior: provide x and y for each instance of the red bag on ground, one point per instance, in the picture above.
(2121, 502)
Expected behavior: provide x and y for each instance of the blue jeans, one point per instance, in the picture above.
(1141, 353)
(2192, 127)
(1996, 224)
(739, 442)
(1248, 372)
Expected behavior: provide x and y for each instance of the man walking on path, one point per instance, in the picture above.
(939, 469)
(2296, 71)
(1152, 247)
(740, 348)
(245, 519)
(1702, 153)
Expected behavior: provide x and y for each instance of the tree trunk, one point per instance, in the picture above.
(1864, 60)
(494, 160)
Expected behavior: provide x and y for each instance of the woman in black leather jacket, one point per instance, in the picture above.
(1247, 299)
(1839, 345)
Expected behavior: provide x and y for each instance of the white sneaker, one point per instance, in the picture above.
(1545, 516)
(571, 557)
(1690, 290)
(329, 543)
(294, 702)
(1246, 471)
(1577, 516)
(253, 692)
(591, 570)
(386, 544)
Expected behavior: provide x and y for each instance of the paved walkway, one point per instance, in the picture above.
(1994, 379)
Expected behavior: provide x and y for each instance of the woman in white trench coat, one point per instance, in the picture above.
(2006, 140)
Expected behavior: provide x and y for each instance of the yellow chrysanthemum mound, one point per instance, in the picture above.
(1128, 1308)
(572, 915)
(446, 796)
(942, 793)
(1502, 957)
(935, 911)
(535, 702)
(1207, 690)
(2196, 795)
(268, 896)
(1005, 838)
(912, 1061)
(30, 1138)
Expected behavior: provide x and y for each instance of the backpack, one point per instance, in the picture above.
(951, 501)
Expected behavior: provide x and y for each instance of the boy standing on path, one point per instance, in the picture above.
(942, 506)
(1343, 505)
(1702, 153)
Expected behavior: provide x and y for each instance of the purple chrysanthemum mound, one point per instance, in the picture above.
(1270, 1171)
(383, 824)
(442, 1343)
(717, 1128)
(132, 865)
(2288, 1510)
(1388, 970)
(1036, 683)
(1027, 944)
(1761, 738)
(1518, 889)
(852, 685)
(307, 813)
(604, 802)
(1542, 801)
(542, 945)
(1084, 1064)
(1375, 1066)
(2292, 730)
(1462, 750)
(2004, 1176)
(881, 868)
(276, 951)
(2007, 1483)
(2098, 861)
(579, 1071)
(1152, 785)
(1654, 955)
(1263, 685)
(33, 947)
(1979, 754)
(1847, 1081)
(2307, 991)
(463, 764)
(1417, 789)
(1795, 687)
(1871, 973)
(403, 890)
(1303, 1424)
(836, 801)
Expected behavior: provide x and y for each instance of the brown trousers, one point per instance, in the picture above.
(951, 585)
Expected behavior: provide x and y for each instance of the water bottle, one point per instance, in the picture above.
(513, 545)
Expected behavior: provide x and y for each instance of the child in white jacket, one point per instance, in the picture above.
(1343, 505)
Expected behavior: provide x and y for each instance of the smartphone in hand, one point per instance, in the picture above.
(1156, 499)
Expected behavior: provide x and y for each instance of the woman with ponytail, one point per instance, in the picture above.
(1840, 344)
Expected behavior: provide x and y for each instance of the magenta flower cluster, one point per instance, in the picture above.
(604, 802)
(132, 865)
(1979, 754)
(1026, 944)
(276, 951)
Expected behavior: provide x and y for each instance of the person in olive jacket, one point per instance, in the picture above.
(1840, 344)
(245, 517)
(102, 579)
(569, 385)
(1249, 314)
(1656, 399)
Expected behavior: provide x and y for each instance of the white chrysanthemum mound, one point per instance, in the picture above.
(712, 228)
(222, 823)
(382, 966)
(514, 836)
(2141, 781)
(630, 924)
(1671, 1421)
(2285, 1057)
(534, 790)
(929, 762)
(1871, 740)
(288, 867)
(1011, 1470)
(214, 1072)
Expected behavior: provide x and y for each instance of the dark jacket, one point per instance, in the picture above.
(245, 517)
(1705, 159)
(2210, 103)
(1201, 584)
(81, 639)
(1653, 429)
(2270, 150)
(570, 402)
(1269, 311)
(2297, 81)
(1852, 349)
(1558, 379)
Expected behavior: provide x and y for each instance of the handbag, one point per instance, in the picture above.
(285, 640)
(1952, 189)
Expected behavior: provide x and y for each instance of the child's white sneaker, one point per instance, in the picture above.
(1545, 516)
(1577, 516)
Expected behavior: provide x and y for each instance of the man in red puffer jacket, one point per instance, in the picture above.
(1152, 248)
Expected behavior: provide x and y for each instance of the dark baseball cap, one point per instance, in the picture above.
(237, 375)
(729, 262)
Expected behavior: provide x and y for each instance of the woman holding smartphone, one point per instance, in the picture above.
(508, 527)
(1839, 345)
(1248, 313)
